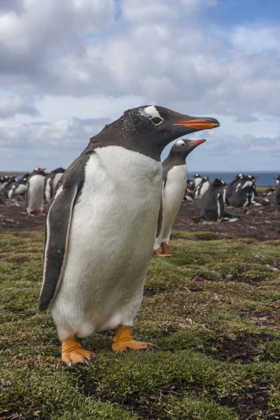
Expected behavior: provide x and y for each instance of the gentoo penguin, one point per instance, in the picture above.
(52, 180)
(18, 189)
(240, 181)
(8, 185)
(202, 188)
(277, 192)
(212, 204)
(35, 192)
(243, 197)
(174, 175)
(197, 180)
(101, 228)
(189, 193)
(2, 180)
(268, 192)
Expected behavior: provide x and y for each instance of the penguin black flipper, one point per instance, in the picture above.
(159, 223)
(58, 230)
(164, 178)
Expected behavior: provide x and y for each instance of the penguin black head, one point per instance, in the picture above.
(184, 147)
(40, 171)
(218, 182)
(148, 129)
(196, 176)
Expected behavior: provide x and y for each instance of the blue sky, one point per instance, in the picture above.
(69, 67)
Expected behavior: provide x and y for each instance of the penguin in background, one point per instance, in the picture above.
(230, 188)
(240, 181)
(202, 188)
(277, 192)
(197, 180)
(212, 204)
(18, 189)
(3, 181)
(243, 197)
(35, 192)
(174, 175)
(101, 228)
(52, 180)
(10, 181)
(189, 193)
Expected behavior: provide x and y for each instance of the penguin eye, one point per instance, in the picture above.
(156, 120)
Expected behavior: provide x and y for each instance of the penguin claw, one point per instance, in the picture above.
(128, 348)
(87, 362)
(69, 364)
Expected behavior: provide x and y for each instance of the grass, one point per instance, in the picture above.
(212, 309)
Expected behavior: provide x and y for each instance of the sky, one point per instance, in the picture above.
(69, 67)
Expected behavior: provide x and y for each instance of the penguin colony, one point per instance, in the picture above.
(108, 210)
(35, 188)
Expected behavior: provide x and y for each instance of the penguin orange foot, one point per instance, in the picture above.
(124, 342)
(41, 213)
(165, 252)
(30, 214)
(72, 353)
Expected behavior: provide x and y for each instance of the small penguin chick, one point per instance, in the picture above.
(174, 184)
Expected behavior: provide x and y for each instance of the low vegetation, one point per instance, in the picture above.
(213, 309)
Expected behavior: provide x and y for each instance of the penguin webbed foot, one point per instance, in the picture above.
(73, 353)
(124, 342)
(165, 252)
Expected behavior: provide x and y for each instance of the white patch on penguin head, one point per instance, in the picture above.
(152, 113)
(247, 184)
(180, 143)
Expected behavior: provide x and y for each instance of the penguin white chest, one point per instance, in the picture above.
(111, 242)
(173, 195)
(36, 193)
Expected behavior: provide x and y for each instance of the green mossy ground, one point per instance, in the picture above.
(212, 309)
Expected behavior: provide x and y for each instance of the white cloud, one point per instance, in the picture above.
(256, 39)
(13, 105)
(92, 59)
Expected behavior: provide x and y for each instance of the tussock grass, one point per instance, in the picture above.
(212, 309)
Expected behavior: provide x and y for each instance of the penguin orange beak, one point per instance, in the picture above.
(200, 124)
(197, 142)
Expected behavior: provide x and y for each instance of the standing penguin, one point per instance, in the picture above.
(277, 192)
(101, 228)
(52, 180)
(35, 192)
(189, 193)
(175, 175)
(212, 204)
(202, 188)
(197, 180)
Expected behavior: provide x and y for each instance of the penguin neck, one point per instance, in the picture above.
(116, 135)
(175, 159)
